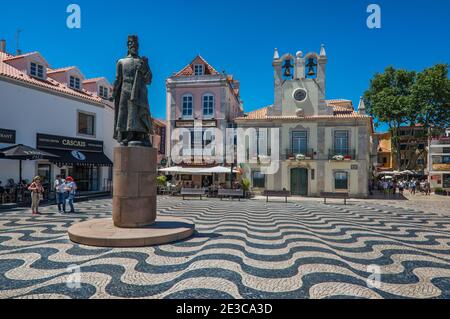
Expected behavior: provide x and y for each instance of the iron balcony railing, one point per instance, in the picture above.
(295, 154)
(346, 153)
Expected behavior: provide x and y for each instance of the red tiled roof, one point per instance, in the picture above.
(189, 69)
(12, 73)
(262, 114)
(53, 71)
(341, 105)
(9, 57)
(95, 80)
(160, 122)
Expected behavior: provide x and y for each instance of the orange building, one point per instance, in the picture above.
(385, 154)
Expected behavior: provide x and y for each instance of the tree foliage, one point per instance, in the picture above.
(431, 97)
(400, 97)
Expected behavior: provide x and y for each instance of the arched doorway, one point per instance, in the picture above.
(299, 181)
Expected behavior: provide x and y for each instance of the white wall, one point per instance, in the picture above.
(29, 111)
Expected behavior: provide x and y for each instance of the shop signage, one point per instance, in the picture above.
(68, 143)
(189, 124)
(162, 145)
(183, 124)
(78, 155)
(7, 136)
(209, 123)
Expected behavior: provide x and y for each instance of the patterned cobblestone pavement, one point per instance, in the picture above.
(246, 249)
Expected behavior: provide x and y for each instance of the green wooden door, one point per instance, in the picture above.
(299, 181)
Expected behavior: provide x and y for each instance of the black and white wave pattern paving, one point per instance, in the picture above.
(246, 249)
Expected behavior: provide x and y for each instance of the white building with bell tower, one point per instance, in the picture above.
(324, 145)
(300, 84)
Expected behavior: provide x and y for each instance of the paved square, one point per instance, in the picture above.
(246, 249)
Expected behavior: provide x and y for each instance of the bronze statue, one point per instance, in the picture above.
(132, 121)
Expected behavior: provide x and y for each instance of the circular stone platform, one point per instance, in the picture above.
(103, 233)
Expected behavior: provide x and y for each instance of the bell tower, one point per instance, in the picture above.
(300, 84)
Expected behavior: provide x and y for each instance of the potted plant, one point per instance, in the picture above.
(338, 158)
(246, 186)
(161, 181)
(300, 157)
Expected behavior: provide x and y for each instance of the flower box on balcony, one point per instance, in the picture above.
(347, 158)
(338, 158)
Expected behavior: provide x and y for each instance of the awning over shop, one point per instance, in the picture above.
(77, 158)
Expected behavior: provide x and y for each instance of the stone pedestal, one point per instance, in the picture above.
(134, 202)
(134, 222)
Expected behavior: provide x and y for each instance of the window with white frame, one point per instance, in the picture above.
(37, 70)
(103, 92)
(341, 143)
(75, 83)
(188, 105)
(208, 105)
(198, 69)
(300, 142)
(86, 124)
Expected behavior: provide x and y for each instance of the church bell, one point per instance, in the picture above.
(311, 65)
(287, 68)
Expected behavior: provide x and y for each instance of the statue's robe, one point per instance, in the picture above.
(132, 110)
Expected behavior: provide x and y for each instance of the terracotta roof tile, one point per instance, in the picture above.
(189, 69)
(9, 57)
(95, 80)
(262, 114)
(10, 72)
(53, 71)
(160, 122)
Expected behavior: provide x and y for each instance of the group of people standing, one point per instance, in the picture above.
(65, 194)
(390, 187)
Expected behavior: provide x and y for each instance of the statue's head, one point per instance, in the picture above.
(133, 45)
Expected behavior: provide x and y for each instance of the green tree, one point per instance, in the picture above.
(389, 99)
(431, 97)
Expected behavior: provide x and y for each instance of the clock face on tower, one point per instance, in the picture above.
(300, 95)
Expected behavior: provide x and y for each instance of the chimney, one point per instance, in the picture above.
(3, 46)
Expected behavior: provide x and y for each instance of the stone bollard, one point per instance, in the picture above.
(134, 196)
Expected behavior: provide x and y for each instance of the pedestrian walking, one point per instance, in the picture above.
(427, 188)
(385, 188)
(59, 186)
(71, 189)
(401, 187)
(412, 187)
(37, 193)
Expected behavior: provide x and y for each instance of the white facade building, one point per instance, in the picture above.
(61, 112)
(439, 162)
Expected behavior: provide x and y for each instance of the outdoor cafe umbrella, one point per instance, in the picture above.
(24, 153)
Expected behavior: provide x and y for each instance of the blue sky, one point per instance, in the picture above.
(238, 36)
